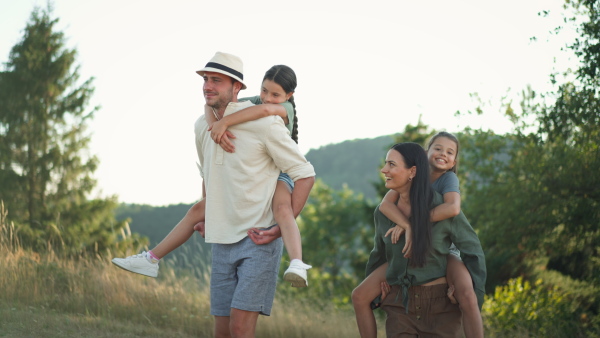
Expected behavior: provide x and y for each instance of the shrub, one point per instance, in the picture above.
(522, 309)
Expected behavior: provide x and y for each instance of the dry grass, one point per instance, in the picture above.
(44, 296)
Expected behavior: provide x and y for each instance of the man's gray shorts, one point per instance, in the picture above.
(244, 276)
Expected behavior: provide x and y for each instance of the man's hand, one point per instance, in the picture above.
(221, 136)
(200, 228)
(261, 236)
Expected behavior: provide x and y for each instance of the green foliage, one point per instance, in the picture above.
(533, 196)
(45, 171)
(336, 228)
(520, 307)
(354, 163)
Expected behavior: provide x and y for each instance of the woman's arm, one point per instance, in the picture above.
(448, 209)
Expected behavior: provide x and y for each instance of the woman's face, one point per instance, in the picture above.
(395, 172)
(272, 92)
(442, 154)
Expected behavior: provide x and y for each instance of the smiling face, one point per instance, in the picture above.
(397, 176)
(271, 92)
(219, 90)
(442, 154)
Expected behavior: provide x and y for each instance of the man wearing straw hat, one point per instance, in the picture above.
(238, 188)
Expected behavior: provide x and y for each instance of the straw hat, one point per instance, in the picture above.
(227, 64)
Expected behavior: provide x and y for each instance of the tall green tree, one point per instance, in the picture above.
(45, 167)
(534, 194)
(337, 231)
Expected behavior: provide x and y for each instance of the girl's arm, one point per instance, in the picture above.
(219, 128)
(224, 141)
(448, 209)
(390, 210)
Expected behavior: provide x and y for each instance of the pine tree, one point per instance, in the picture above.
(45, 167)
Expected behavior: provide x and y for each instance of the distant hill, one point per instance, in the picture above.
(354, 162)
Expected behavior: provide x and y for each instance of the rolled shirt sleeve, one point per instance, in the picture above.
(286, 154)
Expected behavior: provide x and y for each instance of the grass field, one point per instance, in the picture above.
(44, 296)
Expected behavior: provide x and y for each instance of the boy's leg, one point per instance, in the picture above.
(362, 297)
(146, 263)
(182, 231)
(458, 276)
(284, 216)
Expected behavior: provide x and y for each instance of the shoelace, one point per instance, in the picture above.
(140, 255)
(301, 265)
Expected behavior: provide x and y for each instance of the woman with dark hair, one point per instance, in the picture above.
(417, 302)
(276, 98)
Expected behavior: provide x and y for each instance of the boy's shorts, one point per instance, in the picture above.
(287, 180)
(244, 276)
(454, 251)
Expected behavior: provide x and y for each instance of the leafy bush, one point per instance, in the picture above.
(523, 309)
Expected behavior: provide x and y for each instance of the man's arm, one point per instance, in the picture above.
(300, 194)
(302, 188)
(289, 159)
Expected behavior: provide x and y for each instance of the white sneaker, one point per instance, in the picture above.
(296, 274)
(139, 263)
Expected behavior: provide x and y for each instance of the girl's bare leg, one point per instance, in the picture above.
(459, 277)
(284, 216)
(362, 297)
(182, 231)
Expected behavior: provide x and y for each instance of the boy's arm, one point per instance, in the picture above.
(390, 210)
(220, 134)
(210, 116)
(448, 209)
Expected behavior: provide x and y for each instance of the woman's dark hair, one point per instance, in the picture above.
(421, 200)
(286, 78)
(451, 138)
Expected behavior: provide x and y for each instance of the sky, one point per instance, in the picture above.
(364, 68)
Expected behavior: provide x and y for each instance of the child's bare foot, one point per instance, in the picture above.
(451, 294)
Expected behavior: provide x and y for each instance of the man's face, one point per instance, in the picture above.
(218, 90)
